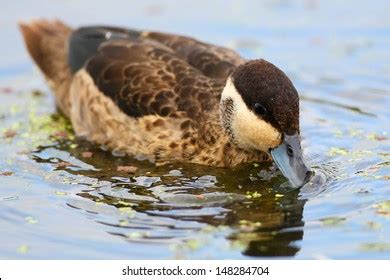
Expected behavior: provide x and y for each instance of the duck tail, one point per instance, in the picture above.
(47, 43)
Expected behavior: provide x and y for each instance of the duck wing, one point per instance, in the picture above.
(213, 61)
(147, 73)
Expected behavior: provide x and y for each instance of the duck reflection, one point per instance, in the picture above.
(263, 219)
(271, 225)
(271, 230)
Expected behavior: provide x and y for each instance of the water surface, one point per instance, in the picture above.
(63, 198)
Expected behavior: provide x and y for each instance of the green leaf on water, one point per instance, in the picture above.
(332, 221)
(31, 220)
(137, 234)
(375, 247)
(123, 223)
(246, 225)
(23, 249)
(253, 195)
(127, 210)
(60, 193)
(337, 151)
(192, 244)
(134, 235)
(383, 208)
(124, 203)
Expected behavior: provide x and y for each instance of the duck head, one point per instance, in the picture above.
(260, 111)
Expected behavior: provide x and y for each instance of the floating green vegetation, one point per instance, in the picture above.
(253, 195)
(189, 244)
(40, 129)
(122, 203)
(375, 247)
(31, 220)
(383, 208)
(333, 221)
(376, 171)
(138, 235)
(355, 132)
(214, 229)
(354, 155)
(249, 226)
(192, 244)
(360, 134)
(130, 212)
(123, 223)
(23, 249)
(61, 193)
(334, 151)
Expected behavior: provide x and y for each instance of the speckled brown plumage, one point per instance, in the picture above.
(158, 73)
(152, 95)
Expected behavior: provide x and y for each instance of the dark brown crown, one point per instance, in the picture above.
(259, 81)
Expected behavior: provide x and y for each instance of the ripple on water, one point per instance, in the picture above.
(63, 193)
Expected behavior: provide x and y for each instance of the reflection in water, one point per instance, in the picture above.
(280, 229)
(51, 210)
(176, 204)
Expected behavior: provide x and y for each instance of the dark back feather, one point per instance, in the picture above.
(85, 41)
(148, 73)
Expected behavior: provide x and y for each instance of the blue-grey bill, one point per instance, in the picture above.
(292, 164)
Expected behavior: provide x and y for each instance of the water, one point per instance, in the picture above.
(58, 202)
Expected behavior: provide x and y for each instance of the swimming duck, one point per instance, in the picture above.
(167, 98)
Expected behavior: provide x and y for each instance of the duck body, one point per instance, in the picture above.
(151, 95)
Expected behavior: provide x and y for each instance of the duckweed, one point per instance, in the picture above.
(203, 212)
(61, 193)
(337, 151)
(383, 208)
(23, 249)
(375, 247)
(333, 221)
(31, 220)
(253, 195)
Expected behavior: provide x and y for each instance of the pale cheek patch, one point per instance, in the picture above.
(253, 133)
(248, 130)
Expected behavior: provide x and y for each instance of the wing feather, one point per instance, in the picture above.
(148, 73)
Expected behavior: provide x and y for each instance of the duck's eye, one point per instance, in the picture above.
(290, 151)
(260, 109)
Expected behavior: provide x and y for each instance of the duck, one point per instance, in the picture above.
(169, 98)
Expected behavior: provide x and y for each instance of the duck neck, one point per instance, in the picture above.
(217, 147)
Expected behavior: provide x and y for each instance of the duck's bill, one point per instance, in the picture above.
(289, 159)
